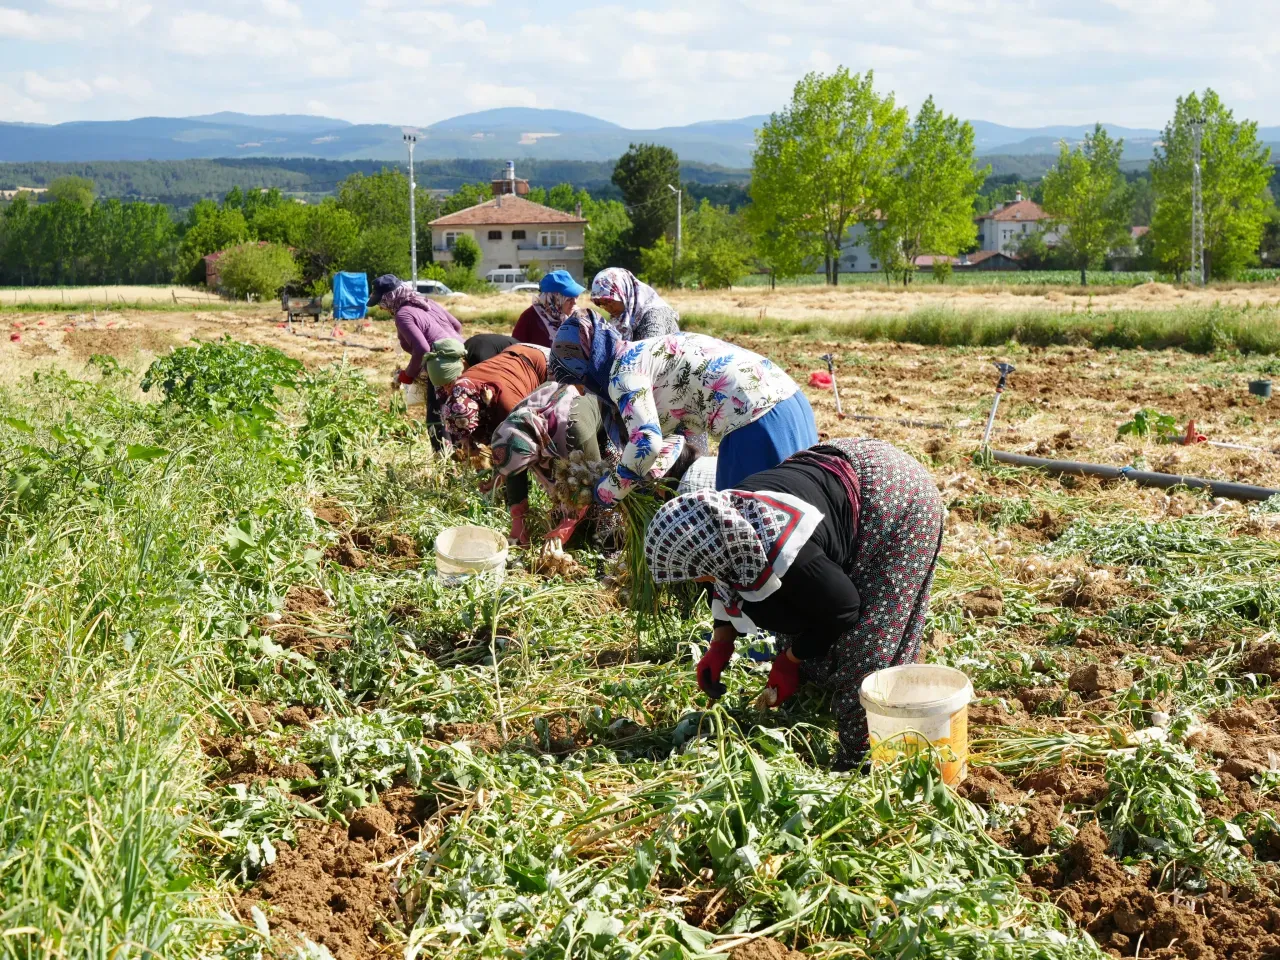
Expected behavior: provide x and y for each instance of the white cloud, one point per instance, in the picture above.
(402, 55)
(21, 25)
(73, 90)
(284, 9)
(18, 108)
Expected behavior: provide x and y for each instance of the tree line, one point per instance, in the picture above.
(839, 155)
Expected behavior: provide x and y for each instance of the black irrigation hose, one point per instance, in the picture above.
(1219, 488)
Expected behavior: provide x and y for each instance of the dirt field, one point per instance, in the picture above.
(106, 295)
(1062, 401)
(1081, 610)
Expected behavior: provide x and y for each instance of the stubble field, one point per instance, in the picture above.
(241, 716)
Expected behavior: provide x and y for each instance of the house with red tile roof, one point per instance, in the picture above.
(513, 233)
(1004, 228)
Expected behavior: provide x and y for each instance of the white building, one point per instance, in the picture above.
(855, 251)
(1004, 228)
(513, 232)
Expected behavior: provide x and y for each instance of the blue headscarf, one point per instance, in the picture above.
(584, 352)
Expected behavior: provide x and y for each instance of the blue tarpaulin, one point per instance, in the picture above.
(350, 296)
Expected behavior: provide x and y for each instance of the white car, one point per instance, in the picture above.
(434, 288)
(524, 288)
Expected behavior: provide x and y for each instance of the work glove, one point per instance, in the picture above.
(784, 678)
(712, 665)
(518, 532)
(566, 528)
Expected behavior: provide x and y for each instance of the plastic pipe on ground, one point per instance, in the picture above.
(1219, 488)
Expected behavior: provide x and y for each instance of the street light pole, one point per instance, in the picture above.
(675, 260)
(1197, 202)
(411, 139)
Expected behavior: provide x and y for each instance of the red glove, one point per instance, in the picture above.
(784, 677)
(566, 528)
(518, 533)
(712, 665)
(404, 377)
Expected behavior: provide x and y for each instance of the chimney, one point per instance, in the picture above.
(577, 209)
(1017, 197)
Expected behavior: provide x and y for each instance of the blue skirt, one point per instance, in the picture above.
(786, 429)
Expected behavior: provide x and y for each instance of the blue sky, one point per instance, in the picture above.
(640, 64)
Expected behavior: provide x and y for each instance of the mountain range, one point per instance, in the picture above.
(509, 133)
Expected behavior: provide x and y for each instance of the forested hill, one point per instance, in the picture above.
(180, 183)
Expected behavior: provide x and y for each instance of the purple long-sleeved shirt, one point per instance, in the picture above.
(419, 329)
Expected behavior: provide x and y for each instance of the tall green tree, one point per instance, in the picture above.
(378, 201)
(716, 251)
(209, 228)
(820, 165)
(608, 227)
(1089, 200)
(1235, 170)
(645, 174)
(467, 195)
(927, 205)
(329, 237)
(78, 190)
(21, 249)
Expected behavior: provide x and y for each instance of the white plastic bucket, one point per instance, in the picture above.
(912, 707)
(470, 551)
(414, 394)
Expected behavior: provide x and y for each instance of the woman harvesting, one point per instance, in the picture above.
(553, 423)
(557, 297)
(420, 324)
(685, 385)
(636, 309)
(484, 395)
(833, 551)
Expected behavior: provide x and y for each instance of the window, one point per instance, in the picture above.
(559, 266)
(1024, 228)
(551, 238)
(505, 266)
(874, 265)
(517, 234)
(495, 234)
(450, 239)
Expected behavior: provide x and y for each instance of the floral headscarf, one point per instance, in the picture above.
(461, 409)
(747, 541)
(636, 297)
(549, 306)
(583, 353)
(404, 296)
(535, 433)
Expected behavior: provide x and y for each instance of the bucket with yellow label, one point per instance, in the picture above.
(917, 706)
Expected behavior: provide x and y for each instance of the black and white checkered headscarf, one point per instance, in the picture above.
(745, 540)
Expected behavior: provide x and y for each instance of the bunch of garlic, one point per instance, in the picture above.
(575, 480)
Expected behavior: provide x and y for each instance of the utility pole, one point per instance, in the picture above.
(411, 139)
(1197, 203)
(675, 260)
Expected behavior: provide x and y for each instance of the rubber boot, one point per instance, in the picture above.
(518, 532)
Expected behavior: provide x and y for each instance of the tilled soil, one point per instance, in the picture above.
(328, 889)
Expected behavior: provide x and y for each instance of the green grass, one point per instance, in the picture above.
(1004, 278)
(1201, 330)
(1196, 330)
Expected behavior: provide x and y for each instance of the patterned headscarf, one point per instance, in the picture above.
(615, 283)
(583, 352)
(549, 307)
(461, 409)
(404, 296)
(535, 433)
(747, 541)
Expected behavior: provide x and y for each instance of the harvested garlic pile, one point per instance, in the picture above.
(552, 561)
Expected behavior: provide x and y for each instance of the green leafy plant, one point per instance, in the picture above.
(1151, 423)
(223, 376)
